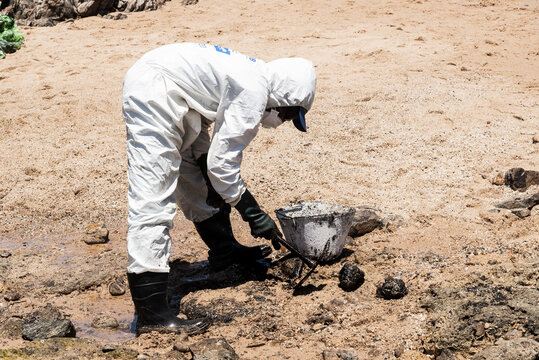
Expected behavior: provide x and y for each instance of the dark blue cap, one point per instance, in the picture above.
(299, 122)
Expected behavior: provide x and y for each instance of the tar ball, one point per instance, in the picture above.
(392, 288)
(351, 277)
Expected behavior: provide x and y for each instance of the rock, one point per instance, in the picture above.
(4, 254)
(181, 347)
(321, 318)
(213, 349)
(108, 348)
(535, 139)
(105, 321)
(143, 357)
(521, 213)
(116, 288)
(520, 202)
(517, 349)
(338, 354)
(12, 329)
(392, 288)
(479, 330)
(46, 323)
(96, 234)
(520, 179)
(12, 295)
(117, 16)
(351, 277)
(365, 221)
(499, 179)
(48, 13)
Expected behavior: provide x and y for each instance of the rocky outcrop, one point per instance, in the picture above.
(50, 12)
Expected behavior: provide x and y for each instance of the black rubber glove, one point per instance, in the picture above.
(213, 198)
(261, 224)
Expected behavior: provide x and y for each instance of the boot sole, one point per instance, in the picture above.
(188, 330)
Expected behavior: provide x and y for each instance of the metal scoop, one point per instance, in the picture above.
(295, 253)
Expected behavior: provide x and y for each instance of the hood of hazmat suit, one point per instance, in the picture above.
(292, 83)
(232, 90)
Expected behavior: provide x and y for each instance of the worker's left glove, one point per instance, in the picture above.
(213, 199)
(262, 225)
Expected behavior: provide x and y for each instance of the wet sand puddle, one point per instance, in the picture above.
(126, 330)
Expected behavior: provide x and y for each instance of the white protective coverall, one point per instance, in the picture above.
(170, 98)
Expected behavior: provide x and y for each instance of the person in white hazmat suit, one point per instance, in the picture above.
(170, 98)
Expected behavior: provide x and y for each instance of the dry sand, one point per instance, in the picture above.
(419, 105)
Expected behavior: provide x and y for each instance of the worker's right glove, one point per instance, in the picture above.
(262, 225)
(213, 198)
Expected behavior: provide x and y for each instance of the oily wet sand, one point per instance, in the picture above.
(419, 105)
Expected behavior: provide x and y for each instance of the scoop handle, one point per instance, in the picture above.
(290, 248)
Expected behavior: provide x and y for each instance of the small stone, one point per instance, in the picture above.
(519, 202)
(116, 289)
(499, 179)
(463, 68)
(392, 288)
(143, 357)
(338, 354)
(108, 348)
(46, 323)
(521, 213)
(520, 179)
(321, 318)
(535, 139)
(105, 322)
(351, 277)
(4, 254)
(117, 16)
(96, 234)
(365, 221)
(479, 330)
(12, 295)
(213, 349)
(181, 347)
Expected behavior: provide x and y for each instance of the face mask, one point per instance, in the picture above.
(270, 119)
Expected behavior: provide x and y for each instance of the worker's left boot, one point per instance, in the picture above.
(225, 250)
(149, 294)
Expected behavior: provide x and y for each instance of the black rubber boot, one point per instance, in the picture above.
(149, 293)
(225, 250)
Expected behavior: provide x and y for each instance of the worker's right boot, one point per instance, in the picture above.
(225, 250)
(149, 293)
